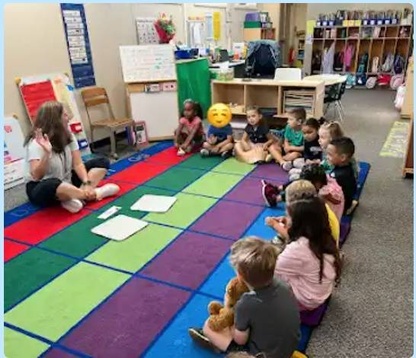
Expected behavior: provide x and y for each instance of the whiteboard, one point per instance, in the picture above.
(161, 122)
(148, 63)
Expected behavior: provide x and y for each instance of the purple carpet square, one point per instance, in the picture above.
(270, 171)
(247, 191)
(128, 322)
(227, 219)
(345, 228)
(189, 260)
(58, 353)
(313, 318)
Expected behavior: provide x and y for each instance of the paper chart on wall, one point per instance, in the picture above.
(13, 152)
(147, 63)
(36, 90)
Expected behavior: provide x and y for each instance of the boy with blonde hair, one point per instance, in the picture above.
(266, 318)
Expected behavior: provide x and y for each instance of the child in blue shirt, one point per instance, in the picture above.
(219, 141)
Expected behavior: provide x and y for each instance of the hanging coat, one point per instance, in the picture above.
(328, 60)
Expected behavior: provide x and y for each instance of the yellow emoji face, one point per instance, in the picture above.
(219, 115)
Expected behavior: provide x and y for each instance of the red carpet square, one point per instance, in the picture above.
(168, 156)
(42, 224)
(12, 249)
(128, 322)
(139, 173)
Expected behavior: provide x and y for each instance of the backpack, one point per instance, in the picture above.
(362, 64)
(316, 61)
(350, 81)
(388, 63)
(398, 64)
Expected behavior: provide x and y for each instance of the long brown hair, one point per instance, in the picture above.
(49, 120)
(310, 219)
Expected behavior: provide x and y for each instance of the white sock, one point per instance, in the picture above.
(73, 205)
(106, 190)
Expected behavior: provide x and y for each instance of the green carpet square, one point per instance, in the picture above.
(29, 271)
(127, 200)
(213, 184)
(198, 162)
(233, 166)
(175, 178)
(184, 212)
(17, 345)
(54, 309)
(77, 240)
(133, 253)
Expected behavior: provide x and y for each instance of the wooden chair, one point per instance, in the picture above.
(97, 96)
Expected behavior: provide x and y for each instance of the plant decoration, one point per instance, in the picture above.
(165, 28)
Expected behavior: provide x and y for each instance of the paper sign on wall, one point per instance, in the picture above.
(13, 152)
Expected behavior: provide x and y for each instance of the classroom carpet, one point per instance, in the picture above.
(71, 293)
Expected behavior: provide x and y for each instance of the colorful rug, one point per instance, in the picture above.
(70, 293)
(395, 145)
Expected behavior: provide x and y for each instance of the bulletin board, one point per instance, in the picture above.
(36, 90)
(14, 152)
(146, 32)
(148, 63)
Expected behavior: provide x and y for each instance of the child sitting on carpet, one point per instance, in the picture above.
(339, 154)
(254, 145)
(310, 262)
(219, 141)
(189, 136)
(312, 151)
(266, 319)
(302, 189)
(292, 147)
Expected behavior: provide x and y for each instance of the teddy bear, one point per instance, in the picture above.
(223, 316)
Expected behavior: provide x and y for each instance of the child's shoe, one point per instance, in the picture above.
(269, 158)
(73, 205)
(198, 337)
(204, 152)
(269, 193)
(181, 152)
(286, 166)
(227, 154)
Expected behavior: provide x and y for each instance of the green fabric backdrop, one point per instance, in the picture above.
(194, 82)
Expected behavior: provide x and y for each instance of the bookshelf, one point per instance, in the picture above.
(274, 97)
(375, 40)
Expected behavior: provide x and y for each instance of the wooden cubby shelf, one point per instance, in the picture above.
(375, 40)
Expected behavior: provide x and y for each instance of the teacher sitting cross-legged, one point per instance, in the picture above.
(54, 170)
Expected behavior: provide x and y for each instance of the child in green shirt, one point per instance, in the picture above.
(292, 147)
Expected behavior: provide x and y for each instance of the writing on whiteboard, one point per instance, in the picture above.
(147, 63)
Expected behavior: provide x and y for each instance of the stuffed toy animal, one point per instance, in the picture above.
(221, 316)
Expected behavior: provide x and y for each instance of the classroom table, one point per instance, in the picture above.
(329, 80)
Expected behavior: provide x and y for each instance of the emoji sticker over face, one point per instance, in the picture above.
(219, 115)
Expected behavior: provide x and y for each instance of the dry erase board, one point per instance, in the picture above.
(148, 63)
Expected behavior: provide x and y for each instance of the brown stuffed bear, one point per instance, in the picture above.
(221, 316)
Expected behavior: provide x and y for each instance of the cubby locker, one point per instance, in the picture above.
(353, 66)
(339, 48)
(262, 96)
(376, 50)
(364, 48)
(392, 32)
(230, 94)
(318, 50)
(353, 32)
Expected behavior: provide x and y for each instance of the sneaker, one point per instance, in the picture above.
(181, 152)
(73, 205)
(294, 177)
(204, 152)
(269, 194)
(198, 337)
(286, 166)
(226, 154)
(106, 190)
(352, 208)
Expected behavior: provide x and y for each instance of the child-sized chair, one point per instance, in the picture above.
(97, 96)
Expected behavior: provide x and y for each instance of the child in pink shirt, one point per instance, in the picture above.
(310, 262)
(189, 136)
(327, 187)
